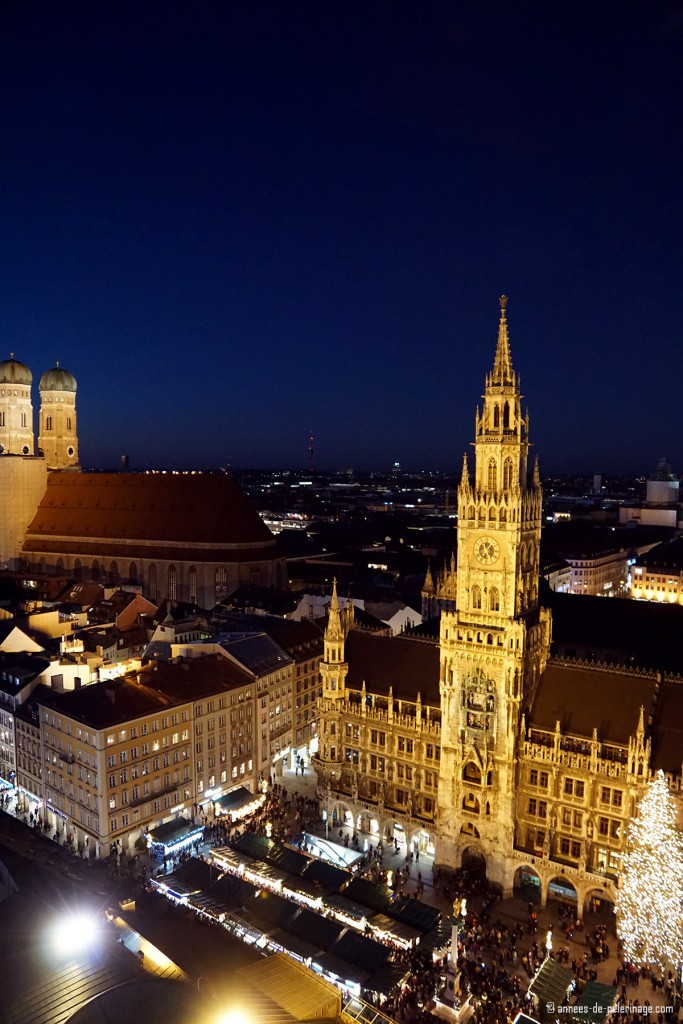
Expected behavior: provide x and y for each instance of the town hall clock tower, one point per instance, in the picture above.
(494, 636)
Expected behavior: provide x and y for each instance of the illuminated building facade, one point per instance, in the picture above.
(488, 747)
(124, 756)
(657, 575)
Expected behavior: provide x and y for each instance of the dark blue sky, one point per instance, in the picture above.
(237, 222)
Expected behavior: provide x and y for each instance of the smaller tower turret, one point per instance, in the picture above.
(58, 437)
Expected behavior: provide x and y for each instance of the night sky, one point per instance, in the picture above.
(237, 222)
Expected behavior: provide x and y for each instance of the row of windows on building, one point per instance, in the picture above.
(576, 788)
(48, 422)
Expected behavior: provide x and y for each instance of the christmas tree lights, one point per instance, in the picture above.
(650, 896)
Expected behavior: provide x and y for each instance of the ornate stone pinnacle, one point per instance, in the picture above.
(503, 302)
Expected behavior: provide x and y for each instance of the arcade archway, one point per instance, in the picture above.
(562, 890)
(527, 884)
(474, 861)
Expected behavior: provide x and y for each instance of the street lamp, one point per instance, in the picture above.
(549, 941)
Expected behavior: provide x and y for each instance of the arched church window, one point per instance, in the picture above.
(494, 599)
(60, 565)
(496, 416)
(506, 416)
(42, 565)
(476, 596)
(491, 485)
(95, 570)
(482, 514)
(152, 582)
(470, 512)
(507, 475)
(114, 572)
(133, 572)
(492, 514)
(172, 583)
(221, 583)
(503, 515)
(192, 584)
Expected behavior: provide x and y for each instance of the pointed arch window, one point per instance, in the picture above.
(152, 582)
(221, 583)
(172, 583)
(507, 475)
(133, 572)
(491, 483)
(494, 599)
(506, 416)
(476, 597)
(78, 571)
(492, 514)
(114, 572)
(503, 515)
(192, 584)
(496, 416)
(95, 571)
(470, 512)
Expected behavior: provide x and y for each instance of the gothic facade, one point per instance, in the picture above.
(481, 746)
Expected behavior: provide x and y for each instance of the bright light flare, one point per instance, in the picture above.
(233, 1016)
(74, 933)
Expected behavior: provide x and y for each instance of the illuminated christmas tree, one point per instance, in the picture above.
(650, 897)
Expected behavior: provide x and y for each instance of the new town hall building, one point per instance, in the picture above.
(519, 739)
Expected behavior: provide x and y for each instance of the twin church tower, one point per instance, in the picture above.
(57, 436)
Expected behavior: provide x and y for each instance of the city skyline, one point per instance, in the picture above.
(235, 227)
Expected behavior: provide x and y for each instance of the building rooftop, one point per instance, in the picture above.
(162, 685)
(583, 697)
(208, 513)
(641, 634)
(406, 665)
(259, 654)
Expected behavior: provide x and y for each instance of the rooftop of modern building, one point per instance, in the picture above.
(259, 654)
(157, 687)
(663, 557)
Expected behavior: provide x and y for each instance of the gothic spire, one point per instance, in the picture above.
(502, 364)
(428, 585)
(334, 626)
(465, 477)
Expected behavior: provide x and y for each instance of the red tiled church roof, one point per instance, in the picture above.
(95, 512)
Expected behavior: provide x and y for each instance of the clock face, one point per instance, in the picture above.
(486, 551)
